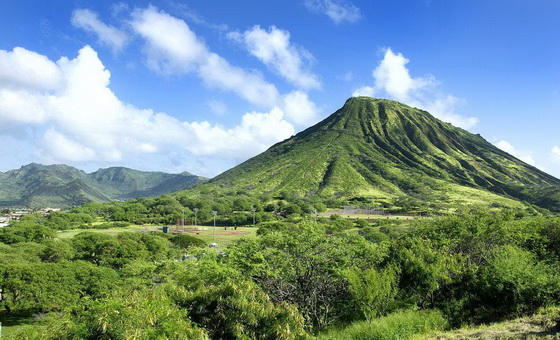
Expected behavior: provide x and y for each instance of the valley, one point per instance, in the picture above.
(379, 222)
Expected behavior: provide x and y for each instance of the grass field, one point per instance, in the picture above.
(12, 321)
(542, 325)
(222, 237)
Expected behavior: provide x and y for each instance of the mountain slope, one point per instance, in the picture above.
(384, 149)
(36, 185)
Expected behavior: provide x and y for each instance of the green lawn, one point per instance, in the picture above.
(224, 237)
(12, 321)
(111, 231)
(221, 236)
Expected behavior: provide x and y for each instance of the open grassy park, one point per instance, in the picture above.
(222, 236)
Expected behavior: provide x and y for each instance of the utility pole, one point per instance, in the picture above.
(214, 213)
(254, 210)
(195, 211)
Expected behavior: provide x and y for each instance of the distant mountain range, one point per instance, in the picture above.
(58, 186)
(385, 151)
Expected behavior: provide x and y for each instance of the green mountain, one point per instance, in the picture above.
(387, 151)
(36, 185)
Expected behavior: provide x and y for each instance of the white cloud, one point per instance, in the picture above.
(525, 156)
(555, 156)
(59, 147)
(393, 79)
(274, 49)
(218, 73)
(300, 109)
(443, 107)
(21, 68)
(22, 106)
(364, 91)
(257, 131)
(181, 51)
(86, 122)
(172, 47)
(337, 10)
(108, 35)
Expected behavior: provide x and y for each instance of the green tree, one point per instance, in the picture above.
(139, 314)
(187, 241)
(303, 266)
(232, 307)
(374, 290)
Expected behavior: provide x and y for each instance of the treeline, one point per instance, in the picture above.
(232, 207)
(295, 280)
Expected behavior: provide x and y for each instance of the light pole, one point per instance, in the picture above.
(214, 213)
(195, 211)
(254, 210)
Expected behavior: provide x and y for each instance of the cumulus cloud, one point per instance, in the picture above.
(525, 156)
(257, 131)
(274, 49)
(58, 146)
(21, 68)
(79, 118)
(216, 72)
(338, 11)
(555, 156)
(364, 91)
(108, 35)
(300, 109)
(392, 79)
(172, 47)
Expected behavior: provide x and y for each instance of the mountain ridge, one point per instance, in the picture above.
(60, 185)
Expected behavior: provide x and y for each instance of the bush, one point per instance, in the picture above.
(360, 223)
(107, 225)
(140, 314)
(187, 241)
(514, 282)
(399, 325)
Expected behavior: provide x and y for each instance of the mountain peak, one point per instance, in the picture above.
(384, 149)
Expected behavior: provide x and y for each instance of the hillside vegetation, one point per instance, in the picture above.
(386, 151)
(60, 186)
(297, 279)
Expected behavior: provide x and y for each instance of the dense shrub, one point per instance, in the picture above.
(396, 326)
(187, 241)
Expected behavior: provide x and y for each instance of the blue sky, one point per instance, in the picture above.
(200, 86)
